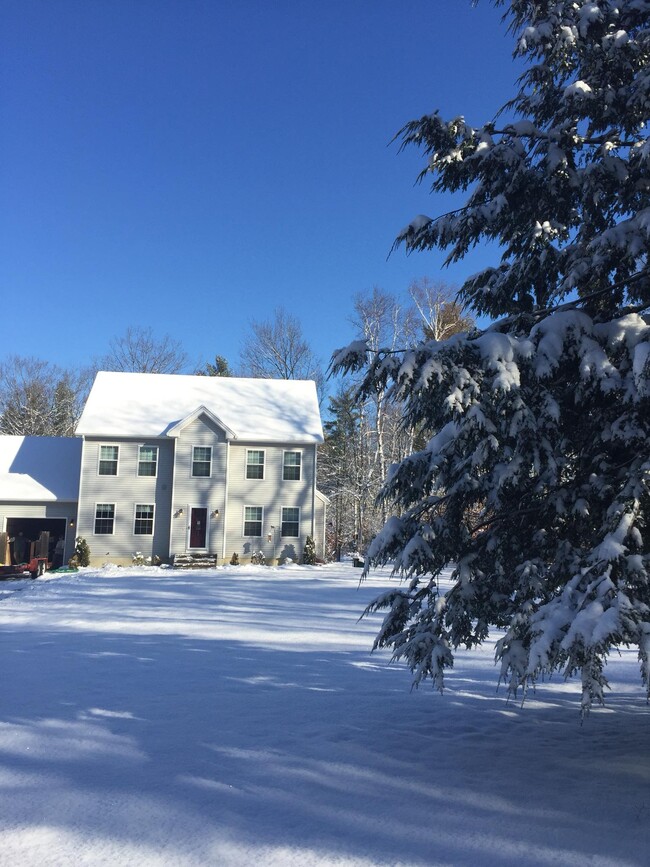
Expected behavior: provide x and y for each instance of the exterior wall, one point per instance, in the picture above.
(272, 493)
(208, 493)
(125, 490)
(67, 511)
(174, 491)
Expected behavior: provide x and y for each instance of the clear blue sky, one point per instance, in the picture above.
(192, 164)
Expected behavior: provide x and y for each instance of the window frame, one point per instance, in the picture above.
(151, 506)
(140, 461)
(261, 523)
(101, 460)
(194, 461)
(286, 466)
(284, 535)
(113, 519)
(262, 465)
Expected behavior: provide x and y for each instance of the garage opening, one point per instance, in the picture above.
(32, 530)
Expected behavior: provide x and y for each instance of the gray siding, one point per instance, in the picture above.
(272, 493)
(208, 493)
(125, 490)
(67, 511)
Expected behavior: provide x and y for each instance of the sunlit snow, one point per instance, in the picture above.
(236, 717)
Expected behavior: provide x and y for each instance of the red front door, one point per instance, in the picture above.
(198, 525)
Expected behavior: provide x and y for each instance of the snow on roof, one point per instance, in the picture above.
(39, 468)
(151, 404)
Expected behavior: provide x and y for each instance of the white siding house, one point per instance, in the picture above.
(175, 465)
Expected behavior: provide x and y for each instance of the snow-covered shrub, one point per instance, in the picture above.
(81, 554)
(258, 558)
(309, 552)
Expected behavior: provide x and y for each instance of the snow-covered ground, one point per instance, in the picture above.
(236, 717)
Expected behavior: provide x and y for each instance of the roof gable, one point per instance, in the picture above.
(175, 429)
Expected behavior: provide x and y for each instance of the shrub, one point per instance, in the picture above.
(234, 560)
(81, 556)
(309, 552)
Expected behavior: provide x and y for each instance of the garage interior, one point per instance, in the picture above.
(32, 528)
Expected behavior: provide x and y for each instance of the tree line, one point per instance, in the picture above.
(363, 437)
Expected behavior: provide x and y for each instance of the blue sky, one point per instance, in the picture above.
(193, 165)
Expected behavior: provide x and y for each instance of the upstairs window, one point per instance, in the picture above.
(291, 466)
(143, 520)
(202, 461)
(108, 456)
(147, 461)
(254, 464)
(252, 520)
(291, 522)
(104, 519)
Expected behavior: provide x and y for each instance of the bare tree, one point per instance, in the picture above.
(140, 350)
(40, 399)
(440, 313)
(277, 349)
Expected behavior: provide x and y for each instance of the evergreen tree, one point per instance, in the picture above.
(219, 367)
(536, 481)
(81, 556)
(309, 552)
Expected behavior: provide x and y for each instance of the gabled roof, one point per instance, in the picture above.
(153, 404)
(39, 469)
(175, 429)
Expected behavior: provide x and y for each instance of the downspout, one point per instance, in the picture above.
(173, 498)
(76, 526)
(225, 503)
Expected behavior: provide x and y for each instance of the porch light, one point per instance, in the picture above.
(215, 514)
(178, 513)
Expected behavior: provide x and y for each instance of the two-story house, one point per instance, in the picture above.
(174, 464)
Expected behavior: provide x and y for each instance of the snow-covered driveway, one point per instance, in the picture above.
(152, 717)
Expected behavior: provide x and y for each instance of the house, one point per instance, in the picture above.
(171, 465)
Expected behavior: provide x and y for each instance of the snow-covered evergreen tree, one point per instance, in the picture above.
(535, 482)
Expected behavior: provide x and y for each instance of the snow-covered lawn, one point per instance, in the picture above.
(236, 717)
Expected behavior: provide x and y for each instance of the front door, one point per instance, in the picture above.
(198, 527)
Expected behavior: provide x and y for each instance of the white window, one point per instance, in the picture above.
(104, 519)
(108, 456)
(291, 466)
(143, 525)
(147, 460)
(291, 522)
(254, 464)
(253, 520)
(202, 461)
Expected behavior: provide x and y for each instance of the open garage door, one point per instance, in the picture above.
(32, 530)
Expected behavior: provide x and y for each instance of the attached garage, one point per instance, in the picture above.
(39, 492)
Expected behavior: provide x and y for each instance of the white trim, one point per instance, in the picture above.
(206, 546)
(224, 528)
(282, 508)
(153, 519)
(293, 452)
(114, 505)
(137, 461)
(243, 529)
(192, 476)
(99, 460)
(176, 429)
(263, 465)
